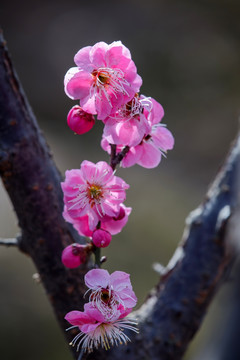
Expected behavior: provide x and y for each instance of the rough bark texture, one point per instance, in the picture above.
(173, 310)
(33, 184)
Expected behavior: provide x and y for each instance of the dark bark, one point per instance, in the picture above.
(33, 184)
(173, 310)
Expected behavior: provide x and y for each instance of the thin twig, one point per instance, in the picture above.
(9, 242)
(117, 158)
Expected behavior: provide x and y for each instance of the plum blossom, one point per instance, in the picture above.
(79, 120)
(109, 291)
(129, 124)
(98, 331)
(155, 142)
(104, 79)
(93, 191)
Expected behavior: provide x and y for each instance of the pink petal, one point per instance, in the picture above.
(93, 219)
(110, 209)
(132, 77)
(82, 59)
(115, 226)
(151, 156)
(94, 313)
(115, 57)
(126, 132)
(97, 54)
(124, 312)
(162, 138)
(88, 170)
(105, 105)
(105, 171)
(120, 280)
(88, 104)
(96, 278)
(77, 317)
(129, 298)
(156, 114)
(77, 83)
(87, 328)
(132, 157)
(117, 183)
(125, 51)
(81, 224)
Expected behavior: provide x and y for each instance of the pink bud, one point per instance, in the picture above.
(79, 120)
(74, 255)
(101, 238)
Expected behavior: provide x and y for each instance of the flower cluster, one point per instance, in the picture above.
(104, 317)
(106, 83)
(93, 198)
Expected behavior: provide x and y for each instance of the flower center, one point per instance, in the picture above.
(105, 297)
(131, 109)
(102, 77)
(94, 192)
(108, 80)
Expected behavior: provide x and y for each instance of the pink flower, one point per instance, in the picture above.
(97, 330)
(128, 125)
(156, 141)
(93, 190)
(79, 120)
(108, 291)
(104, 79)
(75, 254)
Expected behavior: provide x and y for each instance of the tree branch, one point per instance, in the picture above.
(9, 242)
(174, 310)
(173, 313)
(33, 184)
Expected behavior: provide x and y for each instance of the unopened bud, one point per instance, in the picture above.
(79, 120)
(101, 238)
(74, 255)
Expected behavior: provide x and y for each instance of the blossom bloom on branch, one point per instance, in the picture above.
(155, 142)
(98, 331)
(93, 190)
(129, 124)
(105, 78)
(108, 291)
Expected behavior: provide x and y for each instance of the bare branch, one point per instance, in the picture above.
(33, 184)
(9, 242)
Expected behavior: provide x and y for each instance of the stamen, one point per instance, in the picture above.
(108, 80)
(147, 103)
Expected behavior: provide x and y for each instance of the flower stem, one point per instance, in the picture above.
(97, 254)
(115, 159)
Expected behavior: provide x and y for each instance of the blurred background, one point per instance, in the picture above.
(188, 54)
